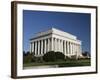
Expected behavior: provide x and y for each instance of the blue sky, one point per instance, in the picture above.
(77, 24)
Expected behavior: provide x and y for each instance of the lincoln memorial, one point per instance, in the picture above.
(55, 40)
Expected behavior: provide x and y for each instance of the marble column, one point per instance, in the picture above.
(64, 47)
(77, 50)
(68, 47)
(41, 47)
(80, 50)
(59, 45)
(48, 45)
(79, 47)
(30, 47)
(72, 49)
(55, 44)
(36, 48)
(45, 47)
(52, 44)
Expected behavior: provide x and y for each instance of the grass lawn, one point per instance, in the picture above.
(67, 63)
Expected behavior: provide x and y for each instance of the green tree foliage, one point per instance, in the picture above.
(59, 56)
(85, 54)
(53, 56)
(28, 57)
(49, 56)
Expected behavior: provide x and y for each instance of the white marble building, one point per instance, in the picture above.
(55, 40)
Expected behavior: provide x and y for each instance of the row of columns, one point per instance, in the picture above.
(40, 47)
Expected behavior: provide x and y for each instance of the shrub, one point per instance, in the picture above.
(53, 56)
(49, 56)
(86, 54)
(67, 58)
(28, 57)
(74, 57)
(59, 56)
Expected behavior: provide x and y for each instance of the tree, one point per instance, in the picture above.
(53, 56)
(28, 58)
(49, 56)
(27, 52)
(24, 54)
(59, 56)
(85, 54)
